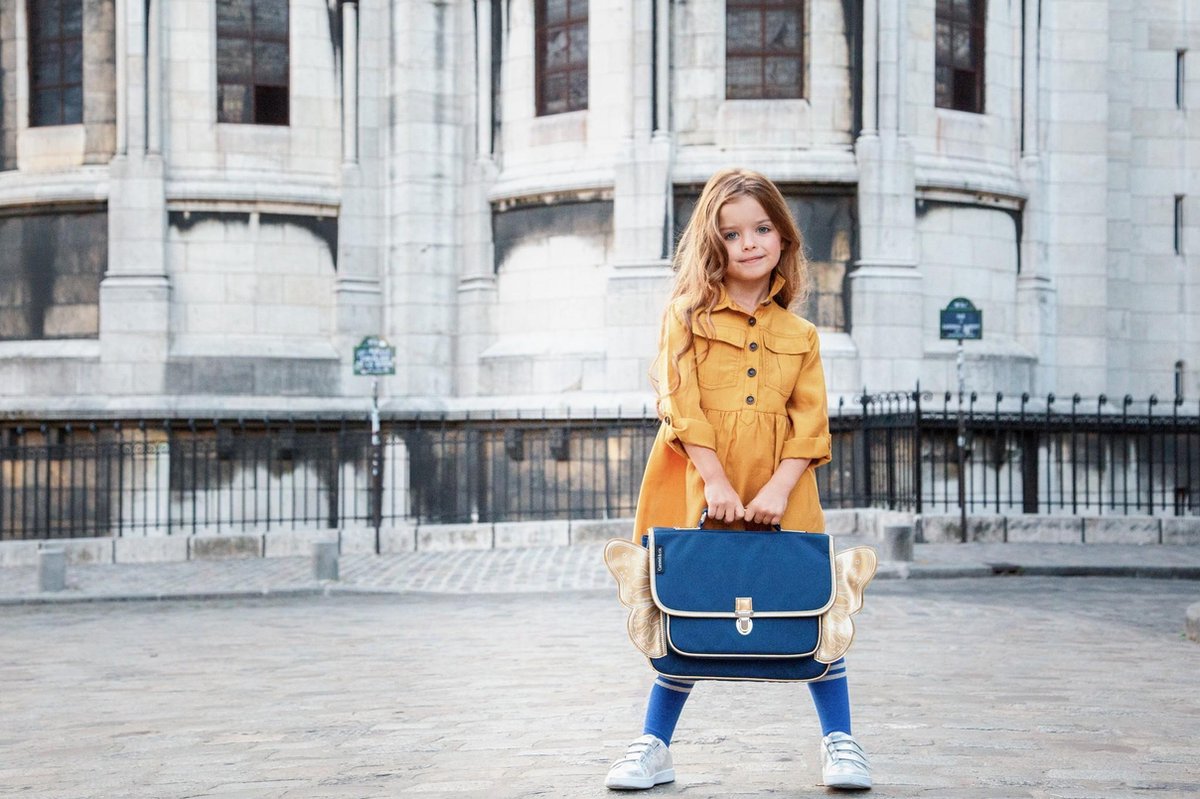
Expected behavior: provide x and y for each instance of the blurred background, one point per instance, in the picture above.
(206, 205)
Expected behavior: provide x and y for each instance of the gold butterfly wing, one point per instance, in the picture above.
(855, 567)
(630, 567)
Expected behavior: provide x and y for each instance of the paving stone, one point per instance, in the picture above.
(990, 687)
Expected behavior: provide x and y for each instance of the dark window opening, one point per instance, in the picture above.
(252, 62)
(764, 49)
(1179, 224)
(50, 271)
(561, 55)
(1179, 78)
(959, 52)
(55, 62)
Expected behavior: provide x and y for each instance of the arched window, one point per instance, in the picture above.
(252, 61)
(55, 62)
(764, 49)
(958, 59)
(561, 55)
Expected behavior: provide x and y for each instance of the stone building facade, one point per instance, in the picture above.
(206, 204)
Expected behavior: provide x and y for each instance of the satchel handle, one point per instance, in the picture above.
(704, 517)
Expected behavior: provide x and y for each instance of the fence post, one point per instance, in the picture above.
(325, 560)
(897, 542)
(476, 456)
(917, 446)
(1074, 457)
(1178, 495)
(172, 465)
(1001, 443)
(1125, 473)
(1150, 452)
(52, 569)
(1103, 445)
(868, 467)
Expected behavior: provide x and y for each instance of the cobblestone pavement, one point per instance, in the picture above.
(545, 569)
(991, 688)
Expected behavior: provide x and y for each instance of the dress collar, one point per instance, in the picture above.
(724, 301)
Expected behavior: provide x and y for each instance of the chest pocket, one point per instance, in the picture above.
(782, 360)
(720, 353)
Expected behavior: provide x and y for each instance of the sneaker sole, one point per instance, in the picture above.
(640, 785)
(851, 784)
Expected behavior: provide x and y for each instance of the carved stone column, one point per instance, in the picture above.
(135, 292)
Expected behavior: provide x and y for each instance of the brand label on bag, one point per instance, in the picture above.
(658, 560)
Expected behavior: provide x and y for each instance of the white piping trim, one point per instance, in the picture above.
(742, 679)
(753, 656)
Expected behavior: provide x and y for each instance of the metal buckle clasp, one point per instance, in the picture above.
(743, 608)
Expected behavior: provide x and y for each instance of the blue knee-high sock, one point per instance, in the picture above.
(831, 695)
(664, 706)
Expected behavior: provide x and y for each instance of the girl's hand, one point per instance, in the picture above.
(768, 506)
(724, 504)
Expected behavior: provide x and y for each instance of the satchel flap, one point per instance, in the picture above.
(705, 572)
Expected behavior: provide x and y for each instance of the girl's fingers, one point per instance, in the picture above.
(730, 513)
(763, 516)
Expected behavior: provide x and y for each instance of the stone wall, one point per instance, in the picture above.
(1054, 209)
(863, 523)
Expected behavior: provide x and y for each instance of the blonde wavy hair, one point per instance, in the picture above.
(701, 261)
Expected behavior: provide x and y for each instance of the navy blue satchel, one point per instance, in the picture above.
(739, 605)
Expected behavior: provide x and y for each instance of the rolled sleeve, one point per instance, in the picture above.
(684, 421)
(808, 408)
(696, 432)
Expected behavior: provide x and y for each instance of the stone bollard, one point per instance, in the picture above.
(52, 569)
(897, 543)
(1193, 622)
(325, 560)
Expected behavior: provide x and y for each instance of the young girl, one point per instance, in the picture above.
(744, 423)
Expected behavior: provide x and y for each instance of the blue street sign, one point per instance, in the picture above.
(374, 357)
(961, 320)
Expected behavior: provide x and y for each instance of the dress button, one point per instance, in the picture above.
(749, 400)
(751, 372)
(753, 321)
(753, 346)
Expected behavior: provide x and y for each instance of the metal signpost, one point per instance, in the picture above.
(961, 320)
(374, 358)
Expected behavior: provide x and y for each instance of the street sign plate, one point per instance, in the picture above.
(961, 320)
(374, 357)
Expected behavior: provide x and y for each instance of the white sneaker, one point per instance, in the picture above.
(843, 763)
(647, 763)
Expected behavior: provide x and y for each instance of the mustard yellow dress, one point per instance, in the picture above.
(752, 388)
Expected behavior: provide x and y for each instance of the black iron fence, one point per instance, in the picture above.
(893, 450)
(1020, 454)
